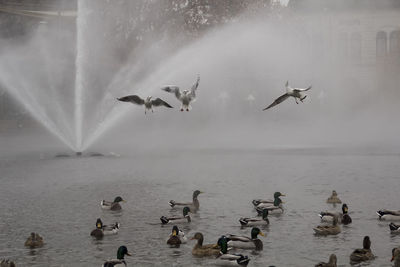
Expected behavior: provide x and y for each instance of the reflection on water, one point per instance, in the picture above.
(59, 198)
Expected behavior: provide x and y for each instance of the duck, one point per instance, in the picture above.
(388, 215)
(114, 205)
(148, 103)
(362, 254)
(7, 263)
(296, 93)
(344, 217)
(102, 230)
(225, 259)
(396, 256)
(273, 208)
(394, 228)
(204, 250)
(185, 96)
(333, 199)
(120, 260)
(179, 219)
(333, 229)
(177, 237)
(255, 220)
(194, 205)
(34, 241)
(331, 263)
(245, 242)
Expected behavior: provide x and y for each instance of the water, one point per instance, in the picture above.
(59, 198)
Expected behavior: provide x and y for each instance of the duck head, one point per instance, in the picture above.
(199, 237)
(366, 243)
(175, 230)
(332, 259)
(345, 209)
(223, 243)
(122, 251)
(99, 224)
(186, 210)
(197, 193)
(334, 194)
(118, 199)
(265, 214)
(277, 200)
(255, 232)
(395, 254)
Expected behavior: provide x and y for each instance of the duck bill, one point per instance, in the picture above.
(261, 234)
(127, 254)
(192, 238)
(283, 195)
(174, 233)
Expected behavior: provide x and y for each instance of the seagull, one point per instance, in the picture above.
(186, 96)
(148, 102)
(294, 92)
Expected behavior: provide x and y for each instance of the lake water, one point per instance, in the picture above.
(59, 198)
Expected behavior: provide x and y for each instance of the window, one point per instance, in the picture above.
(381, 44)
(394, 43)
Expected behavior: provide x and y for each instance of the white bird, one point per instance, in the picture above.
(148, 102)
(186, 96)
(294, 92)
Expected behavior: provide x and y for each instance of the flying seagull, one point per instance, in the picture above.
(148, 102)
(294, 92)
(186, 96)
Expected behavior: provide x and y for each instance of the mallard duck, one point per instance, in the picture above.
(102, 230)
(194, 205)
(225, 259)
(34, 241)
(343, 217)
(203, 250)
(394, 228)
(120, 261)
(273, 208)
(6, 263)
(255, 220)
(245, 242)
(333, 229)
(388, 215)
(177, 237)
(333, 199)
(108, 205)
(180, 219)
(396, 256)
(331, 263)
(362, 254)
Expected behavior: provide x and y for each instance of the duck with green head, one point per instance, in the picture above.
(114, 205)
(194, 205)
(362, 254)
(332, 262)
(273, 208)
(120, 260)
(244, 242)
(201, 250)
(225, 259)
(177, 237)
(343, 218)
(333, 229)
(254, 221)
(178, 219)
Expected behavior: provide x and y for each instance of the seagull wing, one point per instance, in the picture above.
(159, 102)
(172, 89)
(302, 89)
(133, 99)
(278, 101)
(194, 87)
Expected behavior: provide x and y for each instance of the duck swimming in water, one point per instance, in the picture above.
(34, 241)
(186, 96)
(273, 208)
(177, 237)
(333, 229)
(225, 259)
(394, 228)
(332, 262)
(194, 205)
(362, 254)
(114, 205)
(255, 220)
(244, 242)
(388, 215)
(204, 250)
(343, 218)
(102, 230)
(120, 260)
(179, 219)
(148, 103)
(333, 199)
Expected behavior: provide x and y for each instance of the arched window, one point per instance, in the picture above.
(355, 47)
(394, 43)
(342, 45)
(381, 44)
